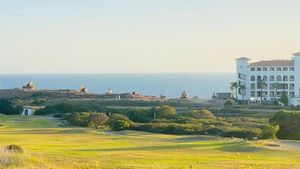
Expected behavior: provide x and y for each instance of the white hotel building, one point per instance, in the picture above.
(285, 74)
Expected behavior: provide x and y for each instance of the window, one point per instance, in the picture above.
(262, 85)
(252, 69)
(278, 78)
(292, 94)
(272, 69)
(272, 94)
(265, 78)
(258, 69)
(292, 78)
(258, 78)
(272, 78)
(285, 86)
(265, 69)
(278, 69)
(292, 68)
(285, 78)
(285, 69)
(252, 78)
(252, 93)
(292, 86)
(242, 76)
(252, 86)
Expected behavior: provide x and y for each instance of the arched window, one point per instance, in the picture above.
(265, 78)
(292, 78)
(278, 78)
(272, 78)
(285, 78)
(252, 85)
(252, 78)
(258, 78)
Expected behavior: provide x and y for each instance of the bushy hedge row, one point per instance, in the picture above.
(168, 128)
(191, 129)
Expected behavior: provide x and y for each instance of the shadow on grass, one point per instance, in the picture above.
(241, 148)
(47, 131)
(165, 147)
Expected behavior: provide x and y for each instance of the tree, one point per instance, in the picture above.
(118, 125)
(98, 119)
(284, 98)
(234, 86)
(6, 107)
(119, 122)
(243, 90)
(269, 132)
(261, 85)
(289, 124)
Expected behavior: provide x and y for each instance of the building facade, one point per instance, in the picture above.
(269, 79)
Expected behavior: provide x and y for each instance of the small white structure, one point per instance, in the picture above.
(27, 111)
(184, 95)
(109, 92)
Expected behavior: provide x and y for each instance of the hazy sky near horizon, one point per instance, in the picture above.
(144, 36)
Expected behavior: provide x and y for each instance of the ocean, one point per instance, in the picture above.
(202, 85)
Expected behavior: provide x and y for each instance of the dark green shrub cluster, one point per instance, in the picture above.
(168, 128)
(7, 107)
(69, 107)
(85, 119)
(243, 133)
(289, 124)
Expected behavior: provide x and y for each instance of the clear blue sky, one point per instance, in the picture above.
(138, 36)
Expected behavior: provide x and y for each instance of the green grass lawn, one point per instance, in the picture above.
(48, 146)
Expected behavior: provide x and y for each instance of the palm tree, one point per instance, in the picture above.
(234, 86)
(242, 89)
(276, 87)
(260, 85)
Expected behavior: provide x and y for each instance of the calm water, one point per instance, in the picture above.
(201, 85)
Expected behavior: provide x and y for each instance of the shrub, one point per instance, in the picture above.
(7, 107)
(118, 125)
(284, 98)
(168, 128)
(243, 133)
(14, 148)
(269, 132)
(201, 114)
(230, 102)
(79, 119)
(97, 120)
(289, 124)
(164, 111)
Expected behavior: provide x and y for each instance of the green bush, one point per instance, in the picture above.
(201, 114)
(230, 102)
(118, 125)
(168, 128)
(269, 132)
(97, 120)
(289, 124)
(243, 133)
(163, 111)
(7, 107)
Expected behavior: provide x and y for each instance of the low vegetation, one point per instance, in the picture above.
(45, 145)
(165, 119)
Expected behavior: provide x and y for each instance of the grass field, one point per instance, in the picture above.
(48, 146)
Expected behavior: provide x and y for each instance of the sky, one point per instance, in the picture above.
(144, 36)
